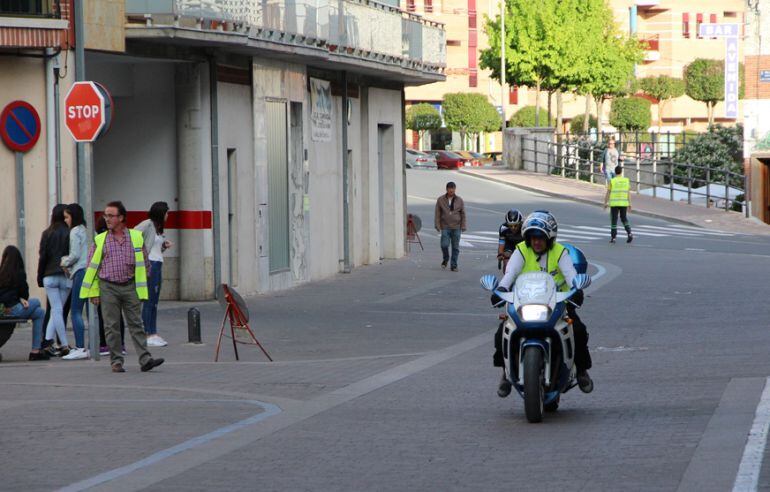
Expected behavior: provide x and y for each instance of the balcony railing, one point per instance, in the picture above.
(31, 8)
(358, 28)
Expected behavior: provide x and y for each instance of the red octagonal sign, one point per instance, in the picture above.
(88, 111)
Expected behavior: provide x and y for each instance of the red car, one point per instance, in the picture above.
(449, 160)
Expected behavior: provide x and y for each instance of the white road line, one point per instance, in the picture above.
(686, 232)
(747, 479)
(474, 237)
(694, 249)
(581, 236)
(607, 230)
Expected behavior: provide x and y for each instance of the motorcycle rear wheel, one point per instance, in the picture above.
(533, 384)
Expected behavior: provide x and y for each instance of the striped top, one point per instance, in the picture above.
(118, 260)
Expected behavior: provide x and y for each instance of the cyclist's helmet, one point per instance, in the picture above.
(540, 223)
(513, 217)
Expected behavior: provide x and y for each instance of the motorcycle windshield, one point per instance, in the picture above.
(534, 288)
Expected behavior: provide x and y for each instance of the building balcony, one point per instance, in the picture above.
(49, 9)
(32, 24)
(651, 46)
(346, 31)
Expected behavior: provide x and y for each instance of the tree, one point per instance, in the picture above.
(577, 125)
(763, 143)
(715, 152)
(705, 81)
(469, 114)
(422, 118)
(630, 113)
(525, 118)
(663, 88)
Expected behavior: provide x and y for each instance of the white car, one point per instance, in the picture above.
(419, 160)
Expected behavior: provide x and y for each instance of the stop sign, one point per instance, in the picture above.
(88, 111)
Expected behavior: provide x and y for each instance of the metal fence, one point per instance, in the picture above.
(656, 177)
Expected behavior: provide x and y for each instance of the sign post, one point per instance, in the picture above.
(87, 116)
(730, 34)
(20, 130)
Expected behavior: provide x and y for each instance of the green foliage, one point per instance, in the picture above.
(469, 113)
(576, 125)
(422, 117)
(705, 81)
(525, 118)
(763, 143)
(714, 151)
(630, 113)
(662, 87)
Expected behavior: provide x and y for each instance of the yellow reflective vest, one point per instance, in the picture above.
(552, 263)
(90, 286)
(619, 187)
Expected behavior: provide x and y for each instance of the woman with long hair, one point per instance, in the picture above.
(74, 265)
(54, 244)
(156, 243)
(15, 301)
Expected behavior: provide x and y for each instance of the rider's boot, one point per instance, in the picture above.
(585, 382)
(504, 388)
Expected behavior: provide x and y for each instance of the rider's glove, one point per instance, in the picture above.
(496, 300)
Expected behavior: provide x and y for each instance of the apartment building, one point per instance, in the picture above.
(272, 128)
(667, 28)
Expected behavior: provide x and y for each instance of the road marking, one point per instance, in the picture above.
(747, 478)
(685, 232)
(694, 249)
(607, 230)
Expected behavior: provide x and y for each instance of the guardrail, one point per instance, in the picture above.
(49, 9)
(699, 185)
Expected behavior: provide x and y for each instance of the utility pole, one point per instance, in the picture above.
(502, 72)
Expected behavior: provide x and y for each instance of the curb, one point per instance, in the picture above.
(581, 200)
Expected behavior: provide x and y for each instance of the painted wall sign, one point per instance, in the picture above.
(321, 110)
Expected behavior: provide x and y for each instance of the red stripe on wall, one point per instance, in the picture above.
(177, 219)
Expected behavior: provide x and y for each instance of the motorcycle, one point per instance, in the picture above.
(538, 340)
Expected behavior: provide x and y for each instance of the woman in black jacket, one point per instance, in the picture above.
(55, 243)
(15, 301)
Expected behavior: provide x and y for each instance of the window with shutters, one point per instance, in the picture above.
(428, 6)
(686, 25)
(513, 95)
(698, 22)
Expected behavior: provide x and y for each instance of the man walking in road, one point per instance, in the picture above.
(619, 200)
(450, 222)
(116, 278)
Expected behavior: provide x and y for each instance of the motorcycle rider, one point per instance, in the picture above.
(541, 252)
(510, 236)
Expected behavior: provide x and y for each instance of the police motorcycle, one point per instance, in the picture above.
(538, 341)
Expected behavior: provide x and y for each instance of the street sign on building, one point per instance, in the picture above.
(87, 111)
(730, 34)
(19, 126)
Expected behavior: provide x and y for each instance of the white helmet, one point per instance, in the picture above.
(540, 223)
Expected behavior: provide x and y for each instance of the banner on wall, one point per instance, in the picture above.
(321, 110)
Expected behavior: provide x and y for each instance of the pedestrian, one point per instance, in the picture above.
(155, 241)
(74, 265)
(610, 160)
(15, 301)
(116, 278)
(54, 244)
(450, 222)
(100, 227)
(619, 200)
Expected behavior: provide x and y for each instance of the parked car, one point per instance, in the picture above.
(449, 160)
(494, 157)
(471, 157)
(419, 160)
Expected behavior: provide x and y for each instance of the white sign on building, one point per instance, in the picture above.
(320, 110)
(730, 33)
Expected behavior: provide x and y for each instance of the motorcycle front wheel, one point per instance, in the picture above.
(533, 384)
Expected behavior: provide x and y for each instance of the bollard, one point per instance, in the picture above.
(193, 326)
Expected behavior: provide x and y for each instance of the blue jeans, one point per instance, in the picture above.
(453, 236)
(150, 306)
(36, 314)
(76, 308)
(57, 288)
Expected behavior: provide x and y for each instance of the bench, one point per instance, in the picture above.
(7, 325)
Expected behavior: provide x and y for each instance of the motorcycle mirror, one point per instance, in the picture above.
(489, 282)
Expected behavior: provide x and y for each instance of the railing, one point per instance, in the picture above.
(31, 8)
(664, 178)
(360, 28)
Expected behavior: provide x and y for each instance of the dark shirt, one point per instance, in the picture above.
(53, 245)
(509, 238)
(12, 292)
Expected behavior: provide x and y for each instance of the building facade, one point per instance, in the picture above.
(272, 129)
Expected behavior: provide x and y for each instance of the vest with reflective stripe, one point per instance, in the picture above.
(619, 187)
(90, 286)
(552, 263)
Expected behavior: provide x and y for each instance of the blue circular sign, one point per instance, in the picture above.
(19, 126)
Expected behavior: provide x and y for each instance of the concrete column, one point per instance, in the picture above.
(194, 186)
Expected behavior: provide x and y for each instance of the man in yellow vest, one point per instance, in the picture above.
(539, 252)
(619, 200)
(116, 278)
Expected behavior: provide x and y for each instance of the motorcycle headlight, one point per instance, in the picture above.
(534, 312)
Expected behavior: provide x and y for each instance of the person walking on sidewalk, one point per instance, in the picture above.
(611, 158)
(619, 200)
(74, 265)
(450, 222)
(152, 231)
(116, 277)
(54, 244)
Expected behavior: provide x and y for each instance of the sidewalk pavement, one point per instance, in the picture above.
(593, 194)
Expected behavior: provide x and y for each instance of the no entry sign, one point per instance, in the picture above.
(19, 126)
(87, 111)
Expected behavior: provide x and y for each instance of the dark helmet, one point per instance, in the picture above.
(513, 217)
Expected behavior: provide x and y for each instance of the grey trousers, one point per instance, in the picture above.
(115, 298)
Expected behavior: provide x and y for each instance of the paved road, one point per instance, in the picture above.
(383, 379)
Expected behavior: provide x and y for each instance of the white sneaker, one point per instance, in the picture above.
(156, 341)
(77, 354)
